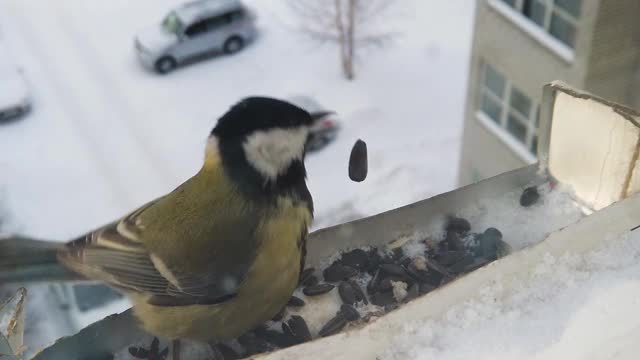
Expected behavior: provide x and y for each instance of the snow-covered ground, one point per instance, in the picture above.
(574, 307)
(106, 136)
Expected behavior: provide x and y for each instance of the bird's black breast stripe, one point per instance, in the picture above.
(302, 245)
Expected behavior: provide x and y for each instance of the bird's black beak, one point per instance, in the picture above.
(320, 114)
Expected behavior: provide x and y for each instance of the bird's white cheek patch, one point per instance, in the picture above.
(270, 152)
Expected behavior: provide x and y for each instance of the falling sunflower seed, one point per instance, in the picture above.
(358, 167)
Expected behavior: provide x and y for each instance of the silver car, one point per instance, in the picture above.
(194, 30)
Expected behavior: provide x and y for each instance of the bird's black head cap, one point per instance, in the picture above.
(259, 113)
(235, 128)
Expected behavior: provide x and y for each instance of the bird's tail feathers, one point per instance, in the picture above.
(25, 259)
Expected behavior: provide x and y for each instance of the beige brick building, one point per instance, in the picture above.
(518, 46)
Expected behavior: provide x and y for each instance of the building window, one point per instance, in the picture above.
(557, 17)
(510, 108)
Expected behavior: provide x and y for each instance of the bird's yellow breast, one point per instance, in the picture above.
(269, 283)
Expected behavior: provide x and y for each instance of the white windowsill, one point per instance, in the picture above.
(520, 150)
(531, 28)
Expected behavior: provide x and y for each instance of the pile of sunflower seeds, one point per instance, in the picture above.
(357, 286)
(365, 283)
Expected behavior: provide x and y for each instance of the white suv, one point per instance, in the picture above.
(194, 30)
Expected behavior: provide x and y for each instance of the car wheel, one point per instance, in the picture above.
(165, 64)
(233, 45)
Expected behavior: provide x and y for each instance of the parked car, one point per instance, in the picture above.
(193, 30)
(326, 124)
(15, 99)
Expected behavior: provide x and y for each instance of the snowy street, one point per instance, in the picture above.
(108, 135)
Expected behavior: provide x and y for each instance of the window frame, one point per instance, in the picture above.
(531, 121)
(550, 9)
(537, 32)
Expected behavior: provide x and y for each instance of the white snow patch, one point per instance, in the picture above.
(399, 290)
(574, 307)
(524, 226)
(318, 310)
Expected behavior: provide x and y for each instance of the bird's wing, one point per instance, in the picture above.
(115, 254)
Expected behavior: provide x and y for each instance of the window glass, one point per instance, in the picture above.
(172, 23)
(520, 102)
(218, 21)
(570, 6)
(197, 28)
(494, 81)
(517, 128)
(562, 30)
(556, 17)
(491, 108)
(536, 12)
(514, 112)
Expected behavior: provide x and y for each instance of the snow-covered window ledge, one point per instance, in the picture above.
(556, 47)
(518, 148)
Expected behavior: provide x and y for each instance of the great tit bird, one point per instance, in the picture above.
(221, 253)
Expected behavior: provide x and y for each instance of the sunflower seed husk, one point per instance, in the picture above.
(295, 301)
(360, 296)
(529, 196)
(413, 292)
(310, 281)
(448, 258)
(349, 312)
(333, 326)
(394, 270)
(298, 328)
(373, 284)
(306, 273)
(253, 344)
(425, 288)
(274, 337)
(438, 268)
(357, 259)
(347, 293)
(461, 265)
(458, 224)
(318, 289)
(382, 298)
(337, 272)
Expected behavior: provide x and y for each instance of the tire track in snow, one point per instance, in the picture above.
(124, 107)
(98, 117)
(104, 166)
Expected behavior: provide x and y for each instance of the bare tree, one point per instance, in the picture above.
(352, 24)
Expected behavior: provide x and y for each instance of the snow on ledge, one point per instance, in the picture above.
(501, 133)
(558, 48)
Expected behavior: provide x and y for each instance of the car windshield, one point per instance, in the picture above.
(172, 23)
